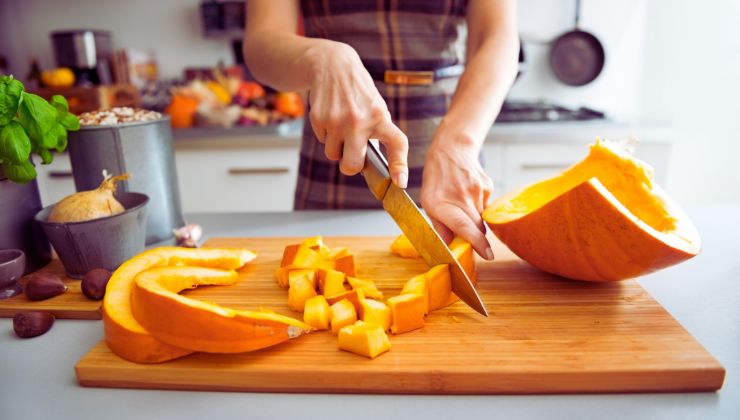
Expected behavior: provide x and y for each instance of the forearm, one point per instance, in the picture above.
(280, 59)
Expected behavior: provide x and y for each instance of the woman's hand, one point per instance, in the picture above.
(347, 110)
(455, 190)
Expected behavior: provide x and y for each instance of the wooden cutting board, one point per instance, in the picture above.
(544, 335)
(71, 304)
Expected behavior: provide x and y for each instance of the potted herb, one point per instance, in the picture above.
(28, 125)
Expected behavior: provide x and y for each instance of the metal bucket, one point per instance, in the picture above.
(99, 243)
(143, 149)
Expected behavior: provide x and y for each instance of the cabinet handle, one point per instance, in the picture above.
(540, 166)
(267, 170)
(60, 174)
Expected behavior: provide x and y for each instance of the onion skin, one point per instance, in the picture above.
(89, 205)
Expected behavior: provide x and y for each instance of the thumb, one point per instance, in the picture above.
(397, 147)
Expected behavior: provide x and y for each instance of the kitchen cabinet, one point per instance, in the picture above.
(243, 170)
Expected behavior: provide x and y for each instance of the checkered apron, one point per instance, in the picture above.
(411, 35)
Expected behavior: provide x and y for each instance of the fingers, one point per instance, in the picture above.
(353, 157)
(333, 146)
(445, 233)
(456, 220)
(397, 147)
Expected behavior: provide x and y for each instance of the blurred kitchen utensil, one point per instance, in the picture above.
(87, 52)
(577, 57)
(99, 243)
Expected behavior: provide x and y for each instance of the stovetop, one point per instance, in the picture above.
(515, 111)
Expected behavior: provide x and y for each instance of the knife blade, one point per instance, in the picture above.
(416, 227)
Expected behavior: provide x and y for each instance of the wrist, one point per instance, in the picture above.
(324, 55)
(450, 135)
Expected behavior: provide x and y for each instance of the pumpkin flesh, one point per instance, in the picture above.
(602, 219)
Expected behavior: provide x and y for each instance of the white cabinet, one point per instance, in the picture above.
(237, 179)
(55, 179)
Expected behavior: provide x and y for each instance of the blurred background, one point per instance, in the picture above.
(670, 78)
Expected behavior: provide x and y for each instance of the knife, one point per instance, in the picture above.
(416, 227)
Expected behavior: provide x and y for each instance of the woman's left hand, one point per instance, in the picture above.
(455, 191)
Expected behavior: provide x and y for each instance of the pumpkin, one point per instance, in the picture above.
(402, 247)
(375, 312)
(602, 219)
(124, 335)
(182, 110)
(355, 297)
(343, 313)
(331, 282)
(289, 104)
(317, 313)
(417, 285)
(407, 312)
(300, 290)
(201, 326)
(368, 287)
(364, 339)
(58, 78)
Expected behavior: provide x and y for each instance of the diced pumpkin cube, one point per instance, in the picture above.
(346, 264)
(355, 297)
(463, 253)
(300, 256)
(375, 312)
(317, 313)
(297, 273)
(402, 247)
(331, 282)
(299, 292)
(417, 285)
(343, 313)
(439, 286)
(368, 287)
(317, 244)
(368, 340)
(407, 313)
(337, 253)
(281, 277)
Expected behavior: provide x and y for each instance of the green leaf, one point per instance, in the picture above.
(19, 172)
(10, 97)
(15, 146)
(46, 156)
(60, 103)
(70, 122)
(39, 118)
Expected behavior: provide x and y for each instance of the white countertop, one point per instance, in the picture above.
(37, 379)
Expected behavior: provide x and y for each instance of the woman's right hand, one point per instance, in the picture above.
(347, 110)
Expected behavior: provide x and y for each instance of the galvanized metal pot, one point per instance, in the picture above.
(143, 149)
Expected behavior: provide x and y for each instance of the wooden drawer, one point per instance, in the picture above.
(237, 180)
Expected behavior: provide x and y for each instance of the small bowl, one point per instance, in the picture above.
(12, 266)
(99, 243)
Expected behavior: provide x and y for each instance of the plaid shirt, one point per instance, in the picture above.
(414, 35)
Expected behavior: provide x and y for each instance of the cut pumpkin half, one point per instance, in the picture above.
(602, 219)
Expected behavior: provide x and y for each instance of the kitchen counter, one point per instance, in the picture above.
(37, 378)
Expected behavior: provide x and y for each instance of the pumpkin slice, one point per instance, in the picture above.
(368, 287)
(402, 247)
(124, 335)
(407, 312)
(202, 326)
(317, 313)
(602, 219)
(300, 290)
(355, 297)
(375, 312)
(365, 339)
(343, 313)
(417, 285)
(331, 282)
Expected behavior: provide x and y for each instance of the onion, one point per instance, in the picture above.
(89, 205)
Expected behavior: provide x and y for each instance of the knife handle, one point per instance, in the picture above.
(376, 172)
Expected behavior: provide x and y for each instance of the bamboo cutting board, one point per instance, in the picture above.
(71, 304)
(544, 335)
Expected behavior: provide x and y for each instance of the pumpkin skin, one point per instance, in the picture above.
(603, 219)
(201, 326)
(124, 335)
